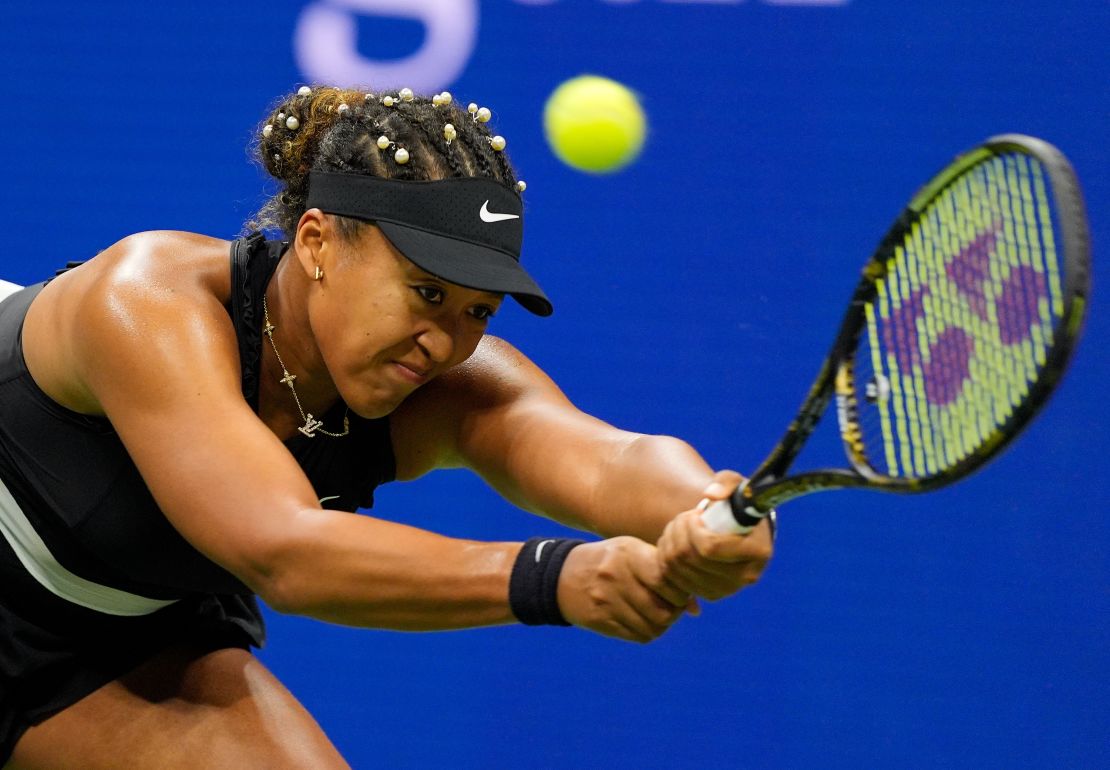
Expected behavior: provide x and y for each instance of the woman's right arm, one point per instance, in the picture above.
(162, 364)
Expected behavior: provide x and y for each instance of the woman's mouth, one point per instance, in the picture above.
(410, 372)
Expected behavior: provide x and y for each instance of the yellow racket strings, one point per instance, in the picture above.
(962, 321)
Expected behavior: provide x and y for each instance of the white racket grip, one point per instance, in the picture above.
(717, 516)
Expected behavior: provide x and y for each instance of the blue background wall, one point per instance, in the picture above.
(696, 294)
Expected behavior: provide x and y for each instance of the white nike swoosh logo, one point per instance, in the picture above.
(325, 499)
(539, 549)
(489, 216)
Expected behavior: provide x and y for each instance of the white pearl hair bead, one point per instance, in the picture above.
(401, 156)
(292, 123)
(304, 91)
(342, 108)
(436, 101)
(445, 97)
(472, 108)
(369, 97)
(388, 101)
(521, 186)
(281, 116)
(407, 95)
(497, 143)
(267, 130)
(484, 115)
(449, 133)
(383, 142)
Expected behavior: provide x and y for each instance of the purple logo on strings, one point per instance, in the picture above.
(948, 368)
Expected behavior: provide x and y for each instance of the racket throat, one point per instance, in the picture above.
(744, 509)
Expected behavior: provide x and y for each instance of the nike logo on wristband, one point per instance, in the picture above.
(325, 499)
(539, 549)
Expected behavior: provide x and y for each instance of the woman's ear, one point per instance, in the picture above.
(314, 241)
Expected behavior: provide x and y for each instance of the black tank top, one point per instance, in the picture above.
(73, 479)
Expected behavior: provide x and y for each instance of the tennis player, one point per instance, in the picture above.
(188, 423)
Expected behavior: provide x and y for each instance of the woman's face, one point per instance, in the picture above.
(383, 326)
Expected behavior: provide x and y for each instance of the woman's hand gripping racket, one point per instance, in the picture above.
(963, 322)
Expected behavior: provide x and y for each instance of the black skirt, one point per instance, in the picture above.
(53, 653)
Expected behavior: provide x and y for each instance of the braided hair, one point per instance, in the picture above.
(332, 129)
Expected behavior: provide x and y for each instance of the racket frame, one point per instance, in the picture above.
(769, 487)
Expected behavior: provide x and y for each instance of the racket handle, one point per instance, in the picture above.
(733, 516)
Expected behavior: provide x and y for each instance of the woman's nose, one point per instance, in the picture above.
(438, 341)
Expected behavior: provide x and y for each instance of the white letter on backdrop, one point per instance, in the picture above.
(325, 43)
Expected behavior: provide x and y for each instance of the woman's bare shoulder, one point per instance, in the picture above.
(142, 282)
(165, 258)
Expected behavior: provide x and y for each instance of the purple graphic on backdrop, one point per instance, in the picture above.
(699, 2)
(325, 43)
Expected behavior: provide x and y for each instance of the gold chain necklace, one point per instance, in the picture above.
(311, 426)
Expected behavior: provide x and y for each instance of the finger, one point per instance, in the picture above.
(693, 608)
(653, 577)
(692, 541)
(627, 628)
(643, 610)
(684, 582)
(723, 484)
(710, 580)
(618, 629)
(690, 571)
(724, 572)
(658, 581)
(675, 545)
(666, 540)
(644, 595)
(673, 594)
(756, 546)
(712, 585)
(678, 556)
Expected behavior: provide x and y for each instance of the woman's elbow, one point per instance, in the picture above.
(276, 571)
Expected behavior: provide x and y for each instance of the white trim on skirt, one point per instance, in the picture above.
(43, 567)
(7, 288)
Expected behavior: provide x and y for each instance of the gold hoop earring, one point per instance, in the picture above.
(319, 273)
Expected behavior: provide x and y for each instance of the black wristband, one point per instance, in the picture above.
(534, 583)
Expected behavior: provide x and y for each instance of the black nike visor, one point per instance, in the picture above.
(466, 230)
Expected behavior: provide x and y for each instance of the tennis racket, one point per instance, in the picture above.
(959, 330)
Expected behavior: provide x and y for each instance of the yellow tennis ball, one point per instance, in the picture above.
(594, 124)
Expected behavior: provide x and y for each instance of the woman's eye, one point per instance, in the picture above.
(430, 294)
(482, 313)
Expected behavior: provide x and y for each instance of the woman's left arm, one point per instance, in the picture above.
(501, 416)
